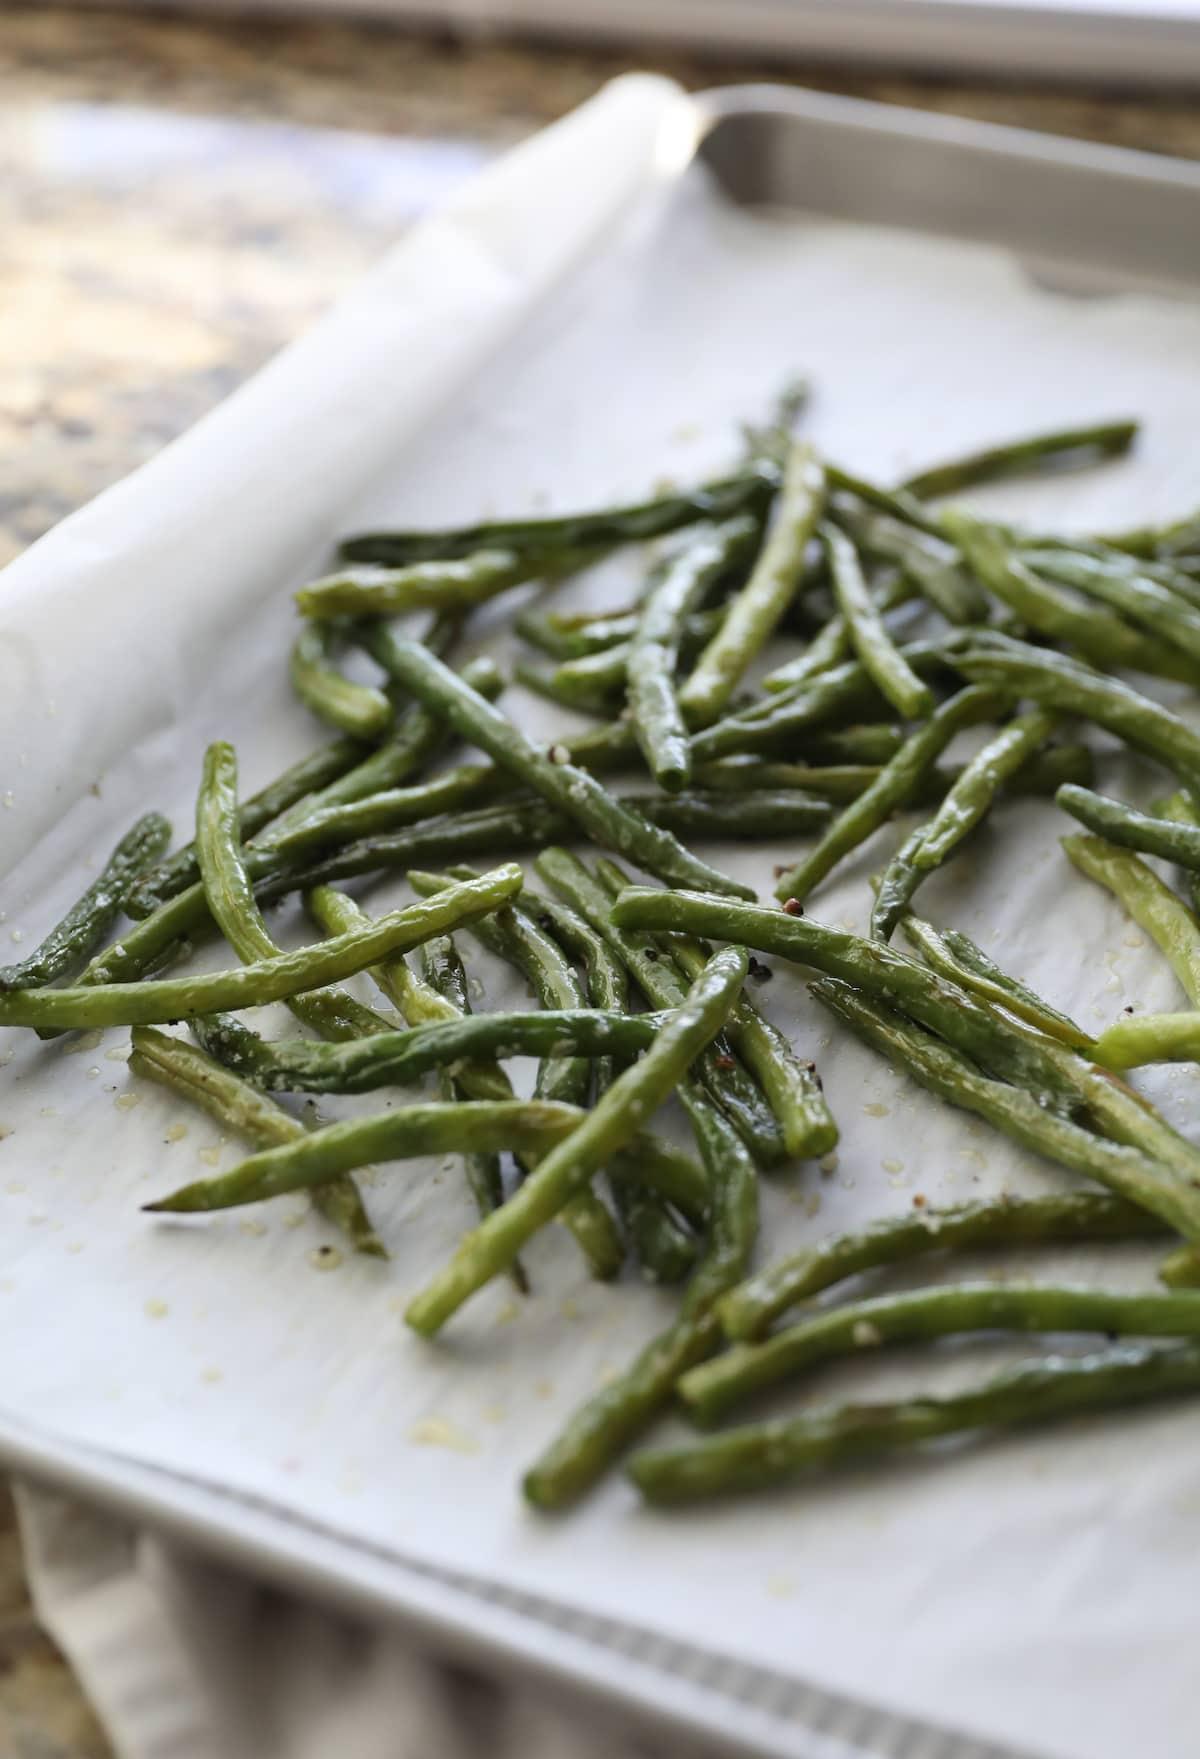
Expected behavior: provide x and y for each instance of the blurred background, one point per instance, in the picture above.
(184, 188)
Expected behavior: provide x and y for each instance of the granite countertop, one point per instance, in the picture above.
(178, 199)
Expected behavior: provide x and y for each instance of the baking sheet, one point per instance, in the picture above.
(971, 1591)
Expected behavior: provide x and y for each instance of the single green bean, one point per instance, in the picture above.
(237, 1107)
(573, 635)
(756, 610)
(655, 649)
(869, 742)
(389, 808)
(466, 1126)
(523, 823)
(360, 709)
(897, 886)
(917, 1315)
(1152, 905)
(398, 1058)
(1071, 1217)
(581, 696)
(446, 978)
(271, 980)
(620, 1411)
(894, 678)
(572, 1164)
(967, 800)
(1150, 1038)
(486, 830)
(763, 1455)
(1171, 839)
(721, 817)
(971, 796)
(735, 775)
(451, 584)
(483, 1173)
(954, 956)
(567, 788)
(1180, 810)
(1065, 448)
(230, 896)
(899, 504)
(1181, 1269)
(790, 1083)
(68, 944)
(749, 490)
(1175, 538)
(895, 786)
(945, 1072)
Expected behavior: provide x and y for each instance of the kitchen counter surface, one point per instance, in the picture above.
(178, 199)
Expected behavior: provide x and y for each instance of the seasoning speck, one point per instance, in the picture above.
(156, 1309)
(438, 1432)
(793, 907)
(325, 1257)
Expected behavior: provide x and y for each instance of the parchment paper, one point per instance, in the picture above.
(1039, 1590)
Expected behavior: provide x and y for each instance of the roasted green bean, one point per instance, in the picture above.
(270, 980)
(763, 1455)
(654, 653)
(1152, 905)
(916, 1315)
(354, 708)
(621, 1410)
(67, 945)
(909, 695)
(1072, 1217)
(238, 1107)
(565, 787)
(749, 490)
(756, 610)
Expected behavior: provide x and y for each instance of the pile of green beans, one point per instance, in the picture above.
(918, 622)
